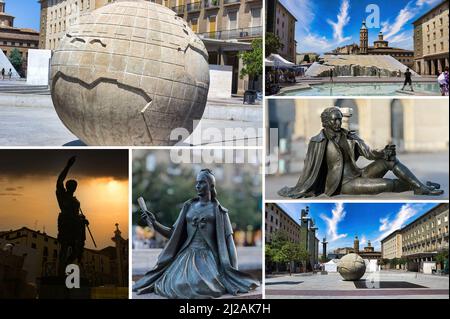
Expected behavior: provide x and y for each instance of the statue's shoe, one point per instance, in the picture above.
(434, 185)
(428, 191)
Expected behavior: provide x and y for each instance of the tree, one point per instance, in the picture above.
(253, 61)
(273, 44)
(441, 258)
(166, 191)
(306, 58)
(16, 59)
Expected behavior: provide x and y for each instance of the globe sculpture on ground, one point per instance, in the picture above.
(130, 73)
(351, 267)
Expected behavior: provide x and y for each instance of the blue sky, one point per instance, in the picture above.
(340, 223)
(27, 13)
(324, 24)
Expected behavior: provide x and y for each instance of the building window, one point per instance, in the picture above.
(256, 17)
(232, 20)
(194, 25)
(33, 245)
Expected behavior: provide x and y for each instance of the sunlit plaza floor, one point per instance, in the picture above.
(377, 285)
(31, 120)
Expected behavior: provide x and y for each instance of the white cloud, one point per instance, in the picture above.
(363, 240)
(388, 226)
(428, 2)
(403, 40)
(337, 215)
(343, 19)
(394, 31)
(403, 18)
(303, 11)
(316, 44)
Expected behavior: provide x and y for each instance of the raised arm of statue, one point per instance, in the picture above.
(62, 176)
(150, 219)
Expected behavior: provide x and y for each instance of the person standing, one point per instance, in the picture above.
(408, 80)
(443, 82)
(331, 76)
(10, 74)
(3, 73)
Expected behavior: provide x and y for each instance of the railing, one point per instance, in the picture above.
(209, 4)
(178, 9)
(194, 6)
(233, 34)
(225, 2)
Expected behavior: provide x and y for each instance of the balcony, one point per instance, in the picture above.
(211, 4)
(242, 33)
(231, 2)
(178, 9)
(194, 7)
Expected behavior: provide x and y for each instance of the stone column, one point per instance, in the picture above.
(433, 68)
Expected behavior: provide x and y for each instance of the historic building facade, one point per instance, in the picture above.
(425, 237)
(367, 252)
(302, 232)
(101, 267)
(380, 47)
(277, 219)
(431, 40)
(11, 38)
(391, 246)
(281, 22)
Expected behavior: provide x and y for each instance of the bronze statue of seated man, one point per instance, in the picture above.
(330, 166)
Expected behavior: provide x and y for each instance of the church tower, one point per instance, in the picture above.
(6, 20)
(363, 39)
(356, 245)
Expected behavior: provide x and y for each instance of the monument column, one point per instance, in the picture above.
(324, 248)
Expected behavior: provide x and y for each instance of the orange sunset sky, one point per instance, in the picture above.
(28, 183)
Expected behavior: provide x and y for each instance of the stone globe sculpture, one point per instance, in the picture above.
(351, 267)
(129, 73)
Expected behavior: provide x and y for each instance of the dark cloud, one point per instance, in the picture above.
(10, 189)
(89, 163)
(11, 194)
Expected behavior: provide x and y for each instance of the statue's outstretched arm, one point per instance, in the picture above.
(62, 176)
(150, 219)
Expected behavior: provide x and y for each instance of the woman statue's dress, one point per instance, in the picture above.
(201, 267)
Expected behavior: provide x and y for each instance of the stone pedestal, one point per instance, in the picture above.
(53, 287)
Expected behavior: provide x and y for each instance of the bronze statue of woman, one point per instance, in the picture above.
(199, 260)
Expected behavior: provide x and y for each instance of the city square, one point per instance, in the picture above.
(397, 252)
(356, 48)
(390, 284)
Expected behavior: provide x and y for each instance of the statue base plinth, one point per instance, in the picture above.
(54, 287)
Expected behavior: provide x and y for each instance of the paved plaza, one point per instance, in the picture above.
(29, 119)
(377, 285)
(426, 166)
